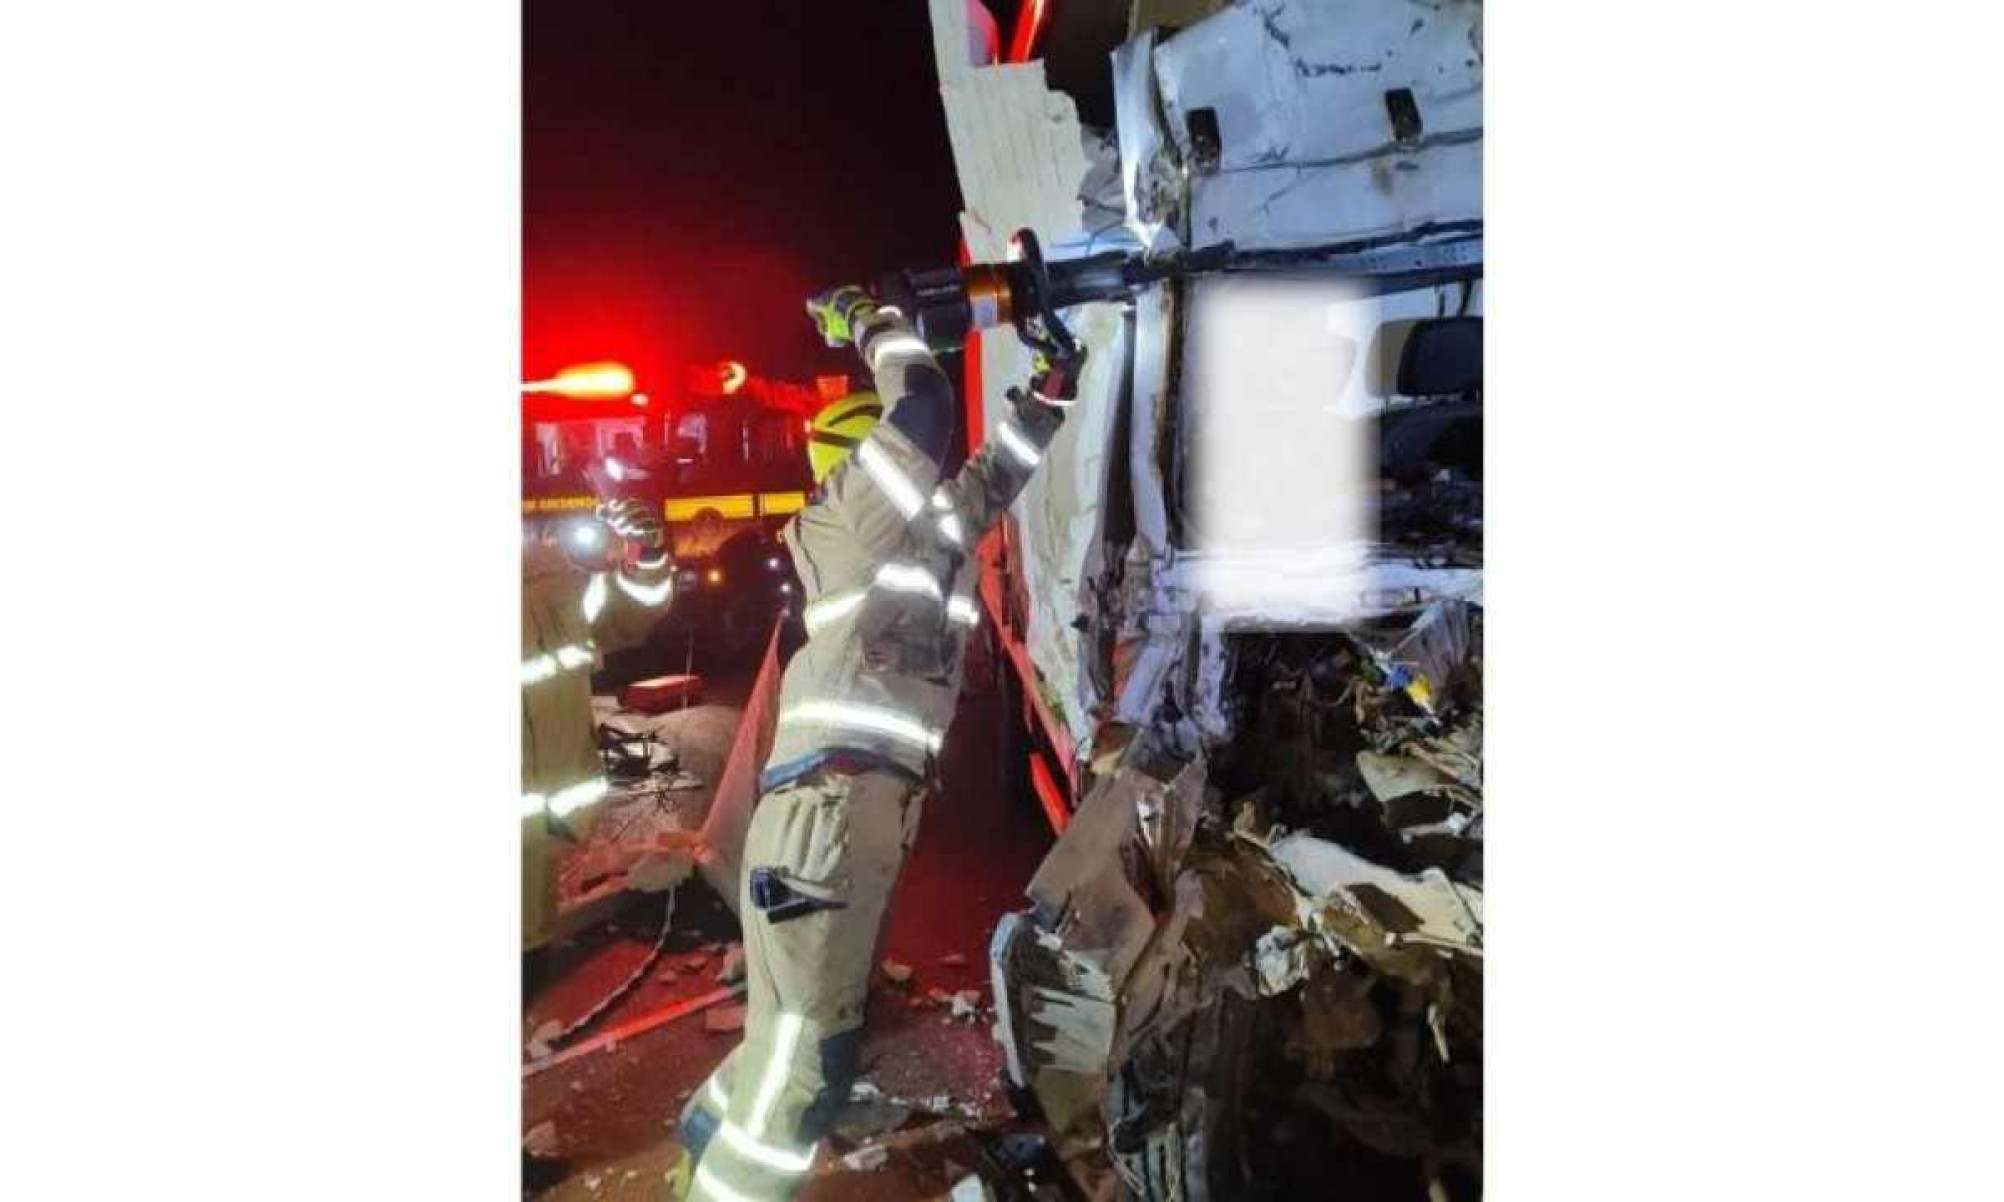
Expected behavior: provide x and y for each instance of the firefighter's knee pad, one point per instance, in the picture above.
(840, 1054)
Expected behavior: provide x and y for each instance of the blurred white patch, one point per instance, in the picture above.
(1281, 466)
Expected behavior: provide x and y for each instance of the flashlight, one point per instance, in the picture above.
(590, 545)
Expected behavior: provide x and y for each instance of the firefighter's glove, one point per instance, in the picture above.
(635, 522)
(1037, 418)
(1054, 378)
(839, 313)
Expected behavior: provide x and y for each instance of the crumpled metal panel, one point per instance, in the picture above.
(1297, 81)
(1151, 185)
(1308, 150)
(1018, 147)
(1426, 908)
(1324, 589)
(1062, 511)
(1059, 972)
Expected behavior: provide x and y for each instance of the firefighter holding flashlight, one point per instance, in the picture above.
(588, 586)
(884, 556)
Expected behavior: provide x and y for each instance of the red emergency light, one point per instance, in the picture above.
(585, 382)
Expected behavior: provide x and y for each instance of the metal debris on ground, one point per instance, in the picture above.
(732, 970)
(540, 1141)
(867, 1158)
(860, 1119)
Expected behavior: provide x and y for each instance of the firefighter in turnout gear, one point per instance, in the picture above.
(884, 555)
(587, 587)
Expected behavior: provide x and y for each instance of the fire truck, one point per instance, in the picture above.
(724, 457)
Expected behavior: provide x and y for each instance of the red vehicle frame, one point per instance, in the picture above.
(1053, 768)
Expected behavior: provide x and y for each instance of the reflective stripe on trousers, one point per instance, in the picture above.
(806, 980)
(870, 718)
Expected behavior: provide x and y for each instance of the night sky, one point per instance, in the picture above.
(693, 169)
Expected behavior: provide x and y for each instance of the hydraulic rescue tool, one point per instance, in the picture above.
(1027, 290)
(1026, 293)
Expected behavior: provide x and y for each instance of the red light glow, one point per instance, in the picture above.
(1029, 26)
(586, 382)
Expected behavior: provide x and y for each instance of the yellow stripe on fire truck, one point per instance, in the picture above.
(557, 504)
(730, 505)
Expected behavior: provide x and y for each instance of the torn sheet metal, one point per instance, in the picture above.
(1054, 1018)
(1022, 161)
(1311, 122)
(1151, 181)
(1061, 512)
(1127, 838)
(1282, 959)
(1325, 588)
(1427, 909)
(1017, 146)
(1154, 620)
(1059, 970)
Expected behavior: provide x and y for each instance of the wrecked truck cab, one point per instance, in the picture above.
(1244, 594)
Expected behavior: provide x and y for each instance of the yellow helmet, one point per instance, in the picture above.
(838, 429)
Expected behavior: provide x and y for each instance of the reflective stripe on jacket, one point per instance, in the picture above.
(885, 558)
(561, 643)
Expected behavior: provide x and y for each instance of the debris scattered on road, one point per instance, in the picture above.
(955, 960)
(861, 1119)
(867, 1158)
(966, 1005)
(541, 1140)
(898, 973)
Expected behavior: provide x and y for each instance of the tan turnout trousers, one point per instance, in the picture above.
(840, 839)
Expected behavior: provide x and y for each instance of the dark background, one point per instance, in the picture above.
(693, 169)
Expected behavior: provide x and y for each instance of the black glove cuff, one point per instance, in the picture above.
(1038, 419)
